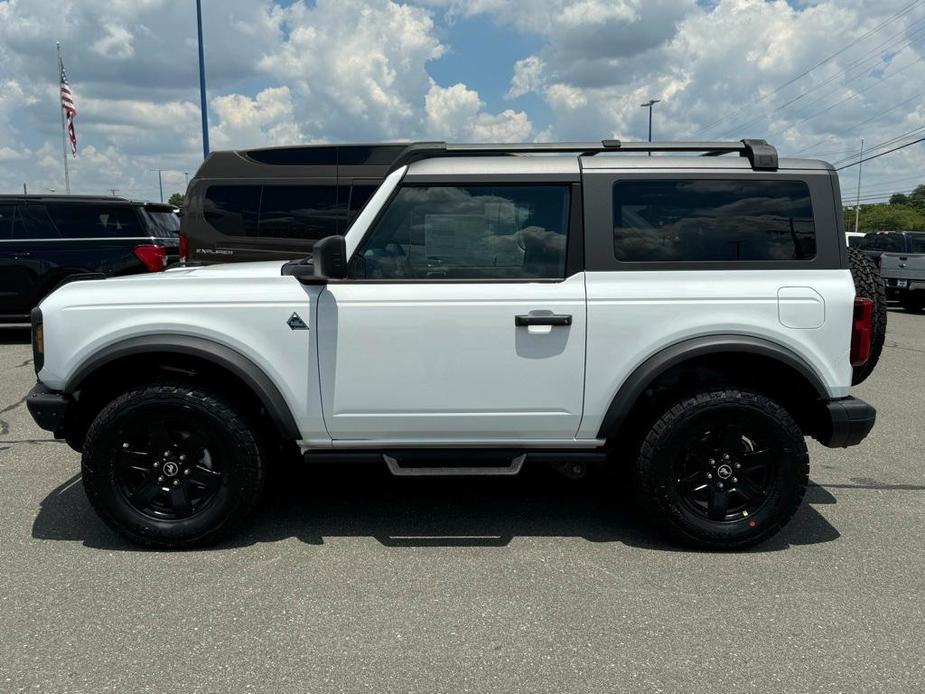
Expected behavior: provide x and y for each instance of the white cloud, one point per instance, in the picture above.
(456, 113)
(268, 118)
(116, 44)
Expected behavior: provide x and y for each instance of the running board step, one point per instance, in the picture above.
(399, 470)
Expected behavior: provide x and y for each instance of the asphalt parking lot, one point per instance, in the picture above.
(350, 582)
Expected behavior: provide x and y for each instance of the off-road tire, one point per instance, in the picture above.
(672, 437)
(869, 285)
(215, 415)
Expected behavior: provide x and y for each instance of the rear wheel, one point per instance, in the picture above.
(722, 469)
(169, 465)
(869, 285)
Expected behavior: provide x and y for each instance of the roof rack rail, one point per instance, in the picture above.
(763, 157)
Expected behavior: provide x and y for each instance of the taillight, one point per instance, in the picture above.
(184, 245)
(153, 256)
(878, 261)
(862, 331)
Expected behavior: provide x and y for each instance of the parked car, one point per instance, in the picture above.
(45, 239)
(686, 320)
(274, 203)
(900, 257)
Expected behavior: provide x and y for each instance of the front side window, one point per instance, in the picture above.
(468, 233)
(95, 221)
(687, 220)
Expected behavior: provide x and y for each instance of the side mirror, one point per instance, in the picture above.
(329, 256)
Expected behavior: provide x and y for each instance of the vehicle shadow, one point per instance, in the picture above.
(311, 504)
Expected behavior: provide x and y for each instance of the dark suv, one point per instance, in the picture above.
(47, 238)
(274, 203)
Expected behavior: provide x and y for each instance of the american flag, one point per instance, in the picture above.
(70, 110)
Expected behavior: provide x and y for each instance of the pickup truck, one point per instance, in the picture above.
(900, 256)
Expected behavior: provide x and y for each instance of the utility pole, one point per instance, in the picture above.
(857, 207)
(186, 173)
(160, 181)
(24, 191)
(649, 104)
(202, 85)
(113, 191)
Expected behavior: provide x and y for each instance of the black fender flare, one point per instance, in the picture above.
(208, 350)
(653, 367)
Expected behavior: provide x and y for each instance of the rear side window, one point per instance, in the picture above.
(887, 242)
(916, 243)
(162, 224)
(276, 211)
(299, 212)
(468, 233)
(689, 220)
(95, 221)
(7, 217)
(232, 210)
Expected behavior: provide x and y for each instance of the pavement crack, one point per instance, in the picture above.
(4, 425)
(908, 349)
(25, 363)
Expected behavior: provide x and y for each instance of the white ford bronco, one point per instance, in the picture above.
(686, 319)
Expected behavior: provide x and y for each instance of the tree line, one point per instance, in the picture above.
(904, 212)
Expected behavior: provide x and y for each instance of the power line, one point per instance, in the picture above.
(863, 122)
(871, 55)
(904, 11)
(885, 143)
(881, 154)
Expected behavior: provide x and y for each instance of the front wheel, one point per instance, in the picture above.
(172, 465)
(722, 469)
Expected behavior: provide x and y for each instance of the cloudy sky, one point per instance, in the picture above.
(811, 77)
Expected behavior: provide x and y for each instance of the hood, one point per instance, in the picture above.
(265, 268)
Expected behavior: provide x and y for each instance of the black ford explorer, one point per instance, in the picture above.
(44, 239)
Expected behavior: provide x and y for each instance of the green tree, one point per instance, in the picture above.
(881, 217)
(177, 199)
(899, 199)
(917, 197)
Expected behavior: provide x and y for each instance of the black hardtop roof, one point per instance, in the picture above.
(379, 159)
(51, 197)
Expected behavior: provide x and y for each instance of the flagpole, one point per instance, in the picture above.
(67, 176)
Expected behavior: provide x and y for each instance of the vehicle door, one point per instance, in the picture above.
(462, 320)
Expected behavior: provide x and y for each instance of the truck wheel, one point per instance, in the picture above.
(869, 284)
(170, 465)
(913, 302)
(722, 469)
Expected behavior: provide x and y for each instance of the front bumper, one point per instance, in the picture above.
(48, 408)
(845, 422)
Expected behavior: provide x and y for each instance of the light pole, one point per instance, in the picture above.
(160, 181)
(857, 207)
(649, 104)
(202, 85)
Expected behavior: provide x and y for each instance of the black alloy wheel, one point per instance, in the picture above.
(728, 470)
(167, 467)
(722, 469)
(173, 465)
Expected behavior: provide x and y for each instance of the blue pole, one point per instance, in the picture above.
(202, 85)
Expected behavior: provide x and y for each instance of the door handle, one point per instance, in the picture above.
(547, 319)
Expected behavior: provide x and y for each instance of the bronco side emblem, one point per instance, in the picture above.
(295, 322)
